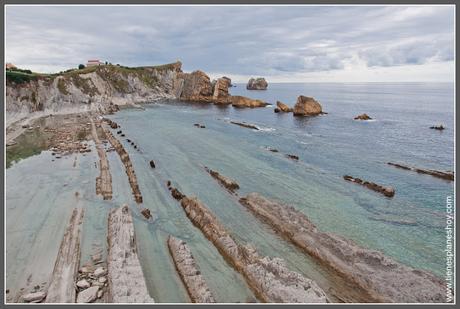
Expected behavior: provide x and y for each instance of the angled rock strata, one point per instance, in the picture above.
(127, 163)
(104, 180)
(189, 271)
(125, 276)
(383, 278)
(447, 175)
(387, 191)
(230, 184)
(61, 288)
(268, 277)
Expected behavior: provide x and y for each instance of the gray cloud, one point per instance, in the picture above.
(250, 40)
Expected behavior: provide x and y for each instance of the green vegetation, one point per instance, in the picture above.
(17, 77)
(81, 66)
(84, 84)
(81, 135)
(61, 84)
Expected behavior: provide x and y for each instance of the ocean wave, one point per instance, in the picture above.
(262, 129)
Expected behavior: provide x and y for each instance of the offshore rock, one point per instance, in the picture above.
(307, 106)
(283, 107)
(387, 191)
(447, 175)
(268, 277)
(226, 182)
(240, 101)
(245, 125)
(363, 117)
(221, 88)
(257, 84)
(125, 276)
(189, 271)
(385, 279)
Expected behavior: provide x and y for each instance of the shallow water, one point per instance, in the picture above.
(329, 146)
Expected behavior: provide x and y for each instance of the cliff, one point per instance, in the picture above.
(104, 88)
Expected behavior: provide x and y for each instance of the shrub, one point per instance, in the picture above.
(81, 66)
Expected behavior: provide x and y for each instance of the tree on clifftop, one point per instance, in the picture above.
(81, 66)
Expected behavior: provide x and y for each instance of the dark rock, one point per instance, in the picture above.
(272, 149)
(202, 127)
(447, 175)
(363, 117)
(177, 194)
(293, 157)
(257, 84)
(168, 184)
(245, 125)
(226, 182)
(146, 213)
(276, 110)
(440, 127)
(152, 164)
(387, 191)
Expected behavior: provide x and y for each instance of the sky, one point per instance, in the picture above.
(280, 43)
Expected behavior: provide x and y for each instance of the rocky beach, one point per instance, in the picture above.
(145, 190)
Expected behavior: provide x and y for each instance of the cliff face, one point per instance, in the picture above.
(98, 88)
(90, 89)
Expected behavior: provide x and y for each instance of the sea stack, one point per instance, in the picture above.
(307, 106)
(257, 84)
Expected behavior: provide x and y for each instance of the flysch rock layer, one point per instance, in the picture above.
(189, 271)
(269, 278)
(61, 288)
(127, 163)
(125, 276)
(385, 279)
(104, 181)
(447, 175)
(230, 184)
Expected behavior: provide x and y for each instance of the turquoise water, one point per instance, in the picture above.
(329, 146)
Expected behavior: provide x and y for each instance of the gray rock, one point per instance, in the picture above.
(83, 284)
(100, 271)
(89, 295)
(34, 297)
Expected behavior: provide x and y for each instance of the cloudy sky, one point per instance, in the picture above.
(282, 43)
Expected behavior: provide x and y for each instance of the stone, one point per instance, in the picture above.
(307, 106)
(363, 117)
(245, 125)
(177, 194)
(100, 293)
(293, 157)
(257, 84)
(34, 297)
(152, 164)
(88, 296)
(146, 213)
(100, 271)
(102, 279)
(283, 107)
(83, 284)
(226, 182)
(440, 127)
(240, 101)
(221, 88)
(447, 175)
(387, 191)
(380, 277)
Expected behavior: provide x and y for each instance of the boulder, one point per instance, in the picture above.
(196, 86)
(100, 271)
(228, 80)
(240, 101)
(89, 295)
(293, 157)
(146, 213)
(363, 117)
(257, 84)
(83, 284)
(440, 127)
(152, 164)
(307, 106)
(283, 107)
(34, 297)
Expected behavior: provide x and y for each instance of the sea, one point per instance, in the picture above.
(410, 227)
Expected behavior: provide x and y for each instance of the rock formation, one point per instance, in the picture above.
(226, 182)
(125, 276)
(127, 163)
(283, 107)
(221, 88)
(240, 101)
(387, 191)
(307, 106)
(245, 125)
(293, 157)
(104, 180)
(189, 271)
(257, 84)
(61, 288)
(268, 277)
(195, 86)
(383, 278)
(440, 127)
(363, 117)
(447, 175)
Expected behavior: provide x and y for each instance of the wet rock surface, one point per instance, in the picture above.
(230, 184)
(125, 277)
(245, 125)
(283, 107)
(447, 175)
(127, 163)
(268, 277)
(307, 106)
(387, 191)
(240, 101)
(189, 271)
(439, 127)
(61, 288)
(257, 84)
(104, 180)
(383, 278)
(363, 117)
